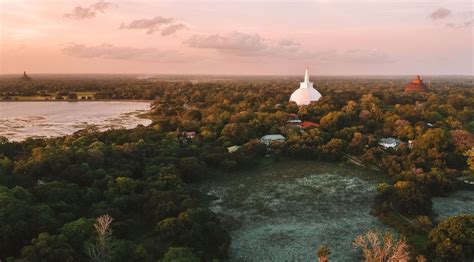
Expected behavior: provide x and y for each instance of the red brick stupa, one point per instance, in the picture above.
(416, 85)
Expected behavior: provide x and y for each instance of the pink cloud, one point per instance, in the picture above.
(81, 13)
(172, 29)
(110, 51)
(251, 45)
(235, 43)
(440, 13)
(155, 24)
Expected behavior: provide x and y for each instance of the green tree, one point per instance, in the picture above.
(334, 149)
(72, 96)
(192, 169)
(6, 168)
(429, 150)
(78, 233)
(453, 238)
(332, 121)
(470, 160)
(48, 248)
(20, 219)
(411, 199)
(180, 254)
(196, 228)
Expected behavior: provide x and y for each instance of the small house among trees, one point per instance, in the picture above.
(389, 142)
(269, 139)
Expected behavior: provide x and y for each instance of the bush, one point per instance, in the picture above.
(453, 239)
(180, 254)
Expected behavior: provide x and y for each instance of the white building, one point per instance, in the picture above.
(389, 142)
(233, 149)
(294, 121)
(268, 139)
(306, 93)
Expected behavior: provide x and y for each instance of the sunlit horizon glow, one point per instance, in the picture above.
(236, 37)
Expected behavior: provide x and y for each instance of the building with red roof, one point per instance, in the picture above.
(416, 85)
(308, 124)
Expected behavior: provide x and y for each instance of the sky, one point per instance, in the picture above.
(331, 37)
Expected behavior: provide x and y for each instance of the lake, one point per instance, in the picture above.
(20, 120)
(285, 211)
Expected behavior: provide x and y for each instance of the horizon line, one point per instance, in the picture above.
(232, 74)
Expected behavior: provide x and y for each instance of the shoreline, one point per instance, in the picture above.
(124, 113)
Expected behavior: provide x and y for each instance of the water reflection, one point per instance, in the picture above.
(19, 120)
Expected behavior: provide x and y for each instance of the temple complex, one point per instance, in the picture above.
(306, 93)
(416, 85)
(25, 76)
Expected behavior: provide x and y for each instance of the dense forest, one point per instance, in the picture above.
(53, 191)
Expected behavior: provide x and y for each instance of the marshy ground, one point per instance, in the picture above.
(460, 202)
(284, 211)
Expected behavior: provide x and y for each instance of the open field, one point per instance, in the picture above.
(460, 202)
(285, 211)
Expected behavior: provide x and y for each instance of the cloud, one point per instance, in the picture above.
(248, 45)
(466, 24)
(288, 42)
(155, 24)
(352, 56)
(110, 51)
(80, 13)
(235, 43)
(172, 29)
(443, 13)
(440, 13)
(251, 45)
(366, 56)
(101, 6)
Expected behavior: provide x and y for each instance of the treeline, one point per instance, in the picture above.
(129, 87)
(53, 189)
(435, 130)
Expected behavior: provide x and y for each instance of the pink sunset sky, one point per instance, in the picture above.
(236, 37)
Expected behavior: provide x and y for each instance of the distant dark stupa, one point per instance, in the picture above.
(416, 85)
(25, 77)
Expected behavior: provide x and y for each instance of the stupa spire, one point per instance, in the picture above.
(306, 93)
(25, 76)
(416, 85)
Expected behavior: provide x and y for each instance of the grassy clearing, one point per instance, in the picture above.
(283, 211)
(460, 202)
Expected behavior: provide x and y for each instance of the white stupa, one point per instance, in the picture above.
(306, 93)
